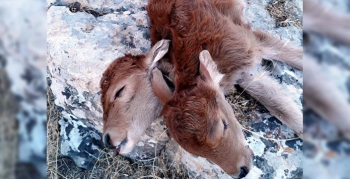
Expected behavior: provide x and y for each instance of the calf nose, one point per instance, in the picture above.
(244, 172)
(107, 141)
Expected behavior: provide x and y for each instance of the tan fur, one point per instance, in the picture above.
(321, 20)
(321, 93)
(323, 96)
(128, 116)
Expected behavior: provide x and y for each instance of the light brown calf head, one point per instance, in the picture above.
(129, 104)
(202, 121)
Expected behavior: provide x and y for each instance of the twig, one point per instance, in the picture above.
(271, 139)
(155, 151)
(152, 176)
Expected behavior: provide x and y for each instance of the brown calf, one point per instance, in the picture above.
(128, 111)
(196, 113)
(129, 104)
(126, 116)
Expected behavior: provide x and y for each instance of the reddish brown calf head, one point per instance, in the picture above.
(129, 104)
(202, 121)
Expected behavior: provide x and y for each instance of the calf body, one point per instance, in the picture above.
(196, 113)
(129, 104)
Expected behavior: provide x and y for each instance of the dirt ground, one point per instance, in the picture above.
(8, 126)
(283, 14)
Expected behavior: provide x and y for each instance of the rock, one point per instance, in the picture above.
(8, 123)
(23, 47)
(78, 95)
(327, 153)
(79, 141)
(82, 44)
(104, 6)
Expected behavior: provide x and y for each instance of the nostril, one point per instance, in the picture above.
(107, 141)
(243, 172)
(123, 142)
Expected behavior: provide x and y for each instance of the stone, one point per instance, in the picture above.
(23, 48)
(79, 96)
(326, 152)
(8, 129)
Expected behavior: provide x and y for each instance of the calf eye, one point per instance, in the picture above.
(225, 124)
(117, 94)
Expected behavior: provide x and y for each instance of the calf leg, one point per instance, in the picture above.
(274, 48)
(270, 94)
(318, 19)
(322, 95)
(271, 47)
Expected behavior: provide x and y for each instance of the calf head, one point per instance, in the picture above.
(202, 121)
(129, 104)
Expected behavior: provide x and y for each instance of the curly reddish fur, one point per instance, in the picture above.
(194, 111)
(194, 26)
(197, 25)
(127, 64)
(191, 114)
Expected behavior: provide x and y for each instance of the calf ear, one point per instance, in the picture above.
(208, 69)
(157, 52)
(162, 86)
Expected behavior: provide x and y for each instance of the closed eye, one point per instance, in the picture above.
(118, 93)
(225, 124)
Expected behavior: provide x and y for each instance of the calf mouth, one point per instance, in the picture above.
(117, 149)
